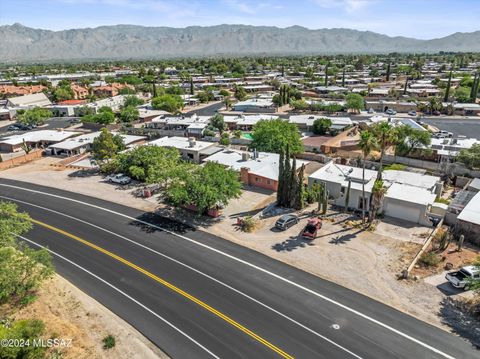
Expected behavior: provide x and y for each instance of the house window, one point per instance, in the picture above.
(257, 179)
(269, 182)
(342, 190)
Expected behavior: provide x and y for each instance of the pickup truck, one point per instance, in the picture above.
(460, 279)
(119, 179)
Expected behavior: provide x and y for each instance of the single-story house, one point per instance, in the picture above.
(83, 143)
(190, 148)
(464, 109)
(327, 89)
(468, 221)
(255, 105)
(305, 122)
(245, 122)
(258, 169)
(399, 106)
(35, 139)
(314, 143)
(446, 149)
(409, 195)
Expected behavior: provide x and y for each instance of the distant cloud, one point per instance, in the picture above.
(348, 5)
(246, 7)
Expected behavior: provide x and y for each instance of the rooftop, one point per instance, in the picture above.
(181, 143)
(471, 212)
(38, 136)
(265, 164)
(37, 99)
(87, 138)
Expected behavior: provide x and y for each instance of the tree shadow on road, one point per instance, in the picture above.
(150, 222)
(458, 315)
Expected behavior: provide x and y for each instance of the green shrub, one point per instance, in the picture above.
(209, 133)
(108, 342)
(248, 224)
(442, 200)
(22, 330)
(394, 167)
(429, 259)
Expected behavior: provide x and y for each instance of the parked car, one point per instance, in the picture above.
(119, 178)
(21, 127)
(286, 221)
(390, 112)
(460, 279)
(412, 113)
(443, 134)
(311, 229)
(13, 128)
(371, 110)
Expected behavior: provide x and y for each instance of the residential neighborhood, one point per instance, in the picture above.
(199, 190)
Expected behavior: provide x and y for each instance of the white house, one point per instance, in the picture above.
(40, 138)
(189, 148)
(83, 143)
(409, 195)
(255, 105)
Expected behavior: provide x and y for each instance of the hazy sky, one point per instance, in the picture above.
(414, 18)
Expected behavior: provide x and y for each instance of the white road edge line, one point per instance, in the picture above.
(193, 269)
(360, 314)
(124, 294)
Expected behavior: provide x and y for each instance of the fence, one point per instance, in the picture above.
(457, 169)
(21, 159)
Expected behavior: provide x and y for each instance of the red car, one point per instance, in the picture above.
(312, 227)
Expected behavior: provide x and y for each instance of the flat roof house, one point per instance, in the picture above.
(189, 148)
(34, 139)
(258, 169)
(255, 105)
(305, 122)
(245, 122)
(469, 220)
(83, 143)
(409, 195)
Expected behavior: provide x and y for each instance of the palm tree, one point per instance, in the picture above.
(386, 136)
(378, 194)
(367, 144)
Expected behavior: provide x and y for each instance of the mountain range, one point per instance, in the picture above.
(25, 44)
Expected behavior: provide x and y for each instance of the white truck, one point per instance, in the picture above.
(461, 279)
(119, 179)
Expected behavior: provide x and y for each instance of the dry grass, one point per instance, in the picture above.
(69, 313)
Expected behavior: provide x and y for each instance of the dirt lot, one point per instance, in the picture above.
(71, 314)
(360, 260)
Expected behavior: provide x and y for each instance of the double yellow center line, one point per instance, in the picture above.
(170, 286)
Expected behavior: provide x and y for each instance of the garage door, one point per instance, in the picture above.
(403, 212)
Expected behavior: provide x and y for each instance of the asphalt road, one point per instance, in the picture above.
(51, 124)
(198, 296)
(466, 127)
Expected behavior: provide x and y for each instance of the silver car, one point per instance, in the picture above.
(286, 221)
